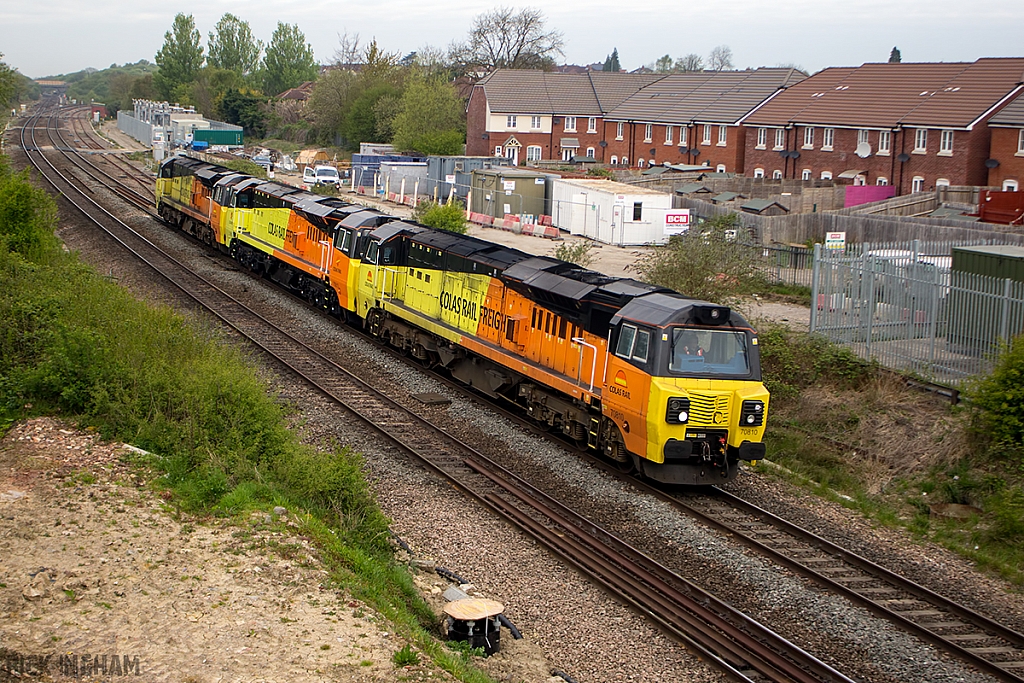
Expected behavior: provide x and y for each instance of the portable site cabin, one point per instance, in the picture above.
(455, 172)
(310, 157)
(980, 314)
(413, 173)
(503, 191)
(613, 213)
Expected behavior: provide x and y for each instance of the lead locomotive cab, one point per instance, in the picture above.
(704, 408)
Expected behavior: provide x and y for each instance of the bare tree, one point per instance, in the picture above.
(720, 58)
(348, 50)
(507, 38)
(690, 62)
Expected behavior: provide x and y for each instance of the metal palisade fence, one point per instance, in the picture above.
(903, 306)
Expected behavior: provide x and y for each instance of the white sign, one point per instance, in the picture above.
(508, 185)
(538, 181)
(620, 199)
(835, 240)
(449, 179)
(677, 221)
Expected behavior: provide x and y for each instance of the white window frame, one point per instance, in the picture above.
(780, 138)
(640, 163)
(809, 137)
(668, 134)
(569, 152)
(614, 161)
(881, 180)
(863, 136)
(683, 134)
(776, 174)
(648, 132)
(570, 124)
(828, 138)
(499, 151)
(917, 184)
(1020, 141)
(759, 172)
(723, 136)
(510, 122)
(762, 138)
(920, 141)
(625, 161)
(720, 168)
(805, 174)
(826, 175)
(884, 142)
(592, 124)
(591, 153)
(535, 123)
(1010, 185)
(942, 182)
(530, 156)
(946, 143)
(618, 130)
(706, 140)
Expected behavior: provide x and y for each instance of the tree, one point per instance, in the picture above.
(180, 58)
(288, 61)
(327, 105)
(720, 58)
(611, 63)
(663, 64)
(690, 62)
(348, 51)
(9, 86)
(506, 38)
(245, 109)
(894, 56)
(430, 117)
(232, 46)
(209, 88)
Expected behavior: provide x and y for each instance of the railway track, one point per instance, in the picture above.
(726, 638)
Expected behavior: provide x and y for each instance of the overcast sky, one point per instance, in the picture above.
(48, 37)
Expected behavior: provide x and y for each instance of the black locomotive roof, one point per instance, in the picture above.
(666, 308)
(276, 189)
(313, 207)
(392, 228)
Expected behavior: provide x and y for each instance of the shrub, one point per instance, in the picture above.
(575, 252)
(27, 215)
(998, 399)
(450, 217)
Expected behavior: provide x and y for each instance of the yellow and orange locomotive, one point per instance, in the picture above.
(666, 384)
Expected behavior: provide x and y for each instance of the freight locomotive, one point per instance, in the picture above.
(658, 382)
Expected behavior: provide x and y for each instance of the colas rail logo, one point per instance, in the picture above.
(619, 386)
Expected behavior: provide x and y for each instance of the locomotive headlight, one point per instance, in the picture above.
(752, 414)
(677, 410)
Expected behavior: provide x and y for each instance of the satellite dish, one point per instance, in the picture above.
(654, 150)
(603, 143)
(695, 151)
(991, 163)
(794, 154)
(863, 150)
(903, 158)
(784, 154)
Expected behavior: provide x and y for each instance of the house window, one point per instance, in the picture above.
(862, 137)
(759, 172)
(707, 135)
(570, 124)
(535, 122)
(1020, 141)
(826, 175)
(762, 138)
(723, 132)
(648, 132)
(780, 138)
(917, 185)
(884, 140)
(882, 180)
(638, 209)
(828, 137)
(625, 161)
(533, 153)
(592, 124)
(668, 135)
(510, 121)
(640, 163)
(568, 153)
(776, 174)
(942, 182)
(809, 138)
(1010, 185)
(682, 135)
(920, 140)
(806, 175)
(946, 142)
(720, 168)
(614, 160)
(498, 151)
(590, 153)
(618, 130)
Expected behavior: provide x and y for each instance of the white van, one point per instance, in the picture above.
(326, 175)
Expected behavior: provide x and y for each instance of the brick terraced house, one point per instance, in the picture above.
(1006, 152)
(692, 118)
(916, 126)
(529, 116)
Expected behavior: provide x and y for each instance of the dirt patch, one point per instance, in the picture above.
(96, 569)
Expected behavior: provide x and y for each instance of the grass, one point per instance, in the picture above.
(74, 345)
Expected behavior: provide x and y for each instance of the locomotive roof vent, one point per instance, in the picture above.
(711, 315)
